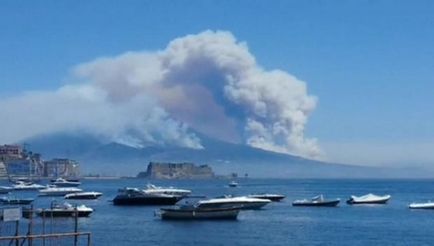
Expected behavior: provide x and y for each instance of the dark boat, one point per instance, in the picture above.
(134, 196)
(317, 201)
(83, 195)
(15, 201)
(5, 189)
(272, 197)
(197, 213)
(65, 210)
(27, 212)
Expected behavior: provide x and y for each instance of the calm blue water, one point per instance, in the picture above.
(276, 224)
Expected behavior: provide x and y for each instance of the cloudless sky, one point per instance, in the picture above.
(370, 63)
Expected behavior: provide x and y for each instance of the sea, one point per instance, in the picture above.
(278, 223)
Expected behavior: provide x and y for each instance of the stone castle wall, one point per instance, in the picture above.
(167, 170)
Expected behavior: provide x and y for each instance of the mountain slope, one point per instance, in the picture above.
(110, 158)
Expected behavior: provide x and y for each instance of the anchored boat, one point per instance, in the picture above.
(65, 210)
(369, 199)
(21, 185)
(61, 182)
(134, 196)
(272, 197)
(317, 201)
(152, 189)
(425, 205)
(15, 201)
(5, 189)
(197, 213)
(83, 195)
(242, 202)
(58, 191)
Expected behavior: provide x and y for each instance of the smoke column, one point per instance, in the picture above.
(208, 83)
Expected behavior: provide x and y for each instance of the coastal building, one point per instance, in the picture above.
(61, 167)
(20, 167)
(10, 152)
(3, 172)
(167, 170)
(17, 161)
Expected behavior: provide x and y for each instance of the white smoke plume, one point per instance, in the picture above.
(208, 82)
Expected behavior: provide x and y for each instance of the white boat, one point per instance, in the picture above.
(369, 199)
(197, 213)
(233, 184)
(242, 202)
(272, 197)
(83, 195)
(424, 205)
(152, 189)
(58, 191)
(21, 185)
(61, 182)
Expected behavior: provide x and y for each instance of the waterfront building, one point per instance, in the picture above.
(61, 167)
(3, 172)
(9, 152)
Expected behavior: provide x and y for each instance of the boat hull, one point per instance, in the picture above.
(56, 193)
(121, 200)
(66, 184)
(5, 190)
(62, 213)
(83, 197)
(333, 203)
(27, 188)
(421, 206)
(200, 214)
(240, 205)
(274, 198)
(352, 202)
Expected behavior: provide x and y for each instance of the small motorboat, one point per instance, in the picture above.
(61, 182)
(317, 201)
(21, 185)
(58, 191)
(272, 197)
(65, 210)
(233, 184)
(5, 189)
(197, 213)
(152, 189)
(15, 201)
(83, 195)
(135, 196)
(369, 199)
(424, 205)
(242, 202)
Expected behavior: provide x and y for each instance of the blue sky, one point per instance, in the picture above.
(370, 63)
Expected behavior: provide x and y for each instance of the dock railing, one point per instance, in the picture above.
(45, 230)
